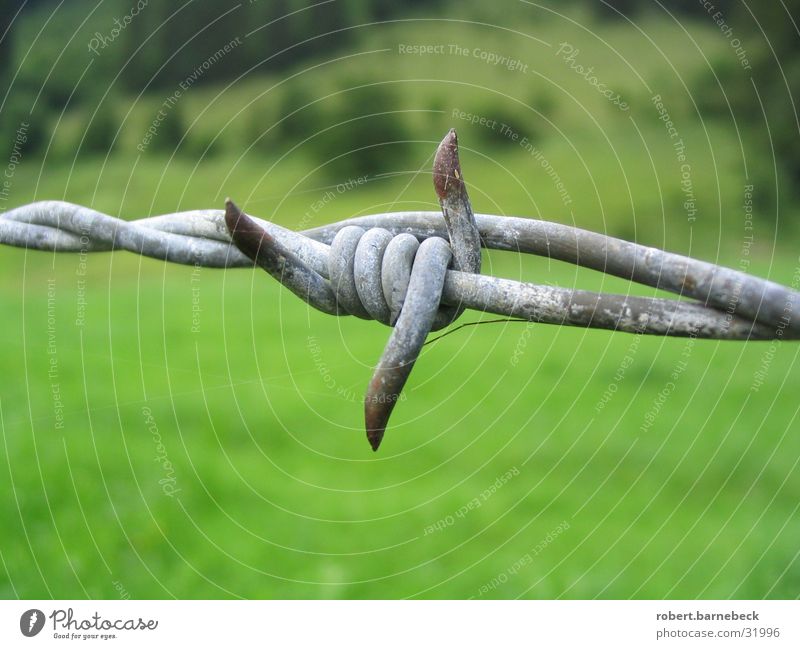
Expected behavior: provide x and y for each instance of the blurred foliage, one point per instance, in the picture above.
(613, 9)
(776, 76)
(165, 45)
(345, 100)
(760, 94)
(61, 82)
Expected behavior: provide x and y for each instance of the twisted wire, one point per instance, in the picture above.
(200, 237)
(418, 271)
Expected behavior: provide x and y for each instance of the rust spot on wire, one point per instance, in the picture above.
(447, 176)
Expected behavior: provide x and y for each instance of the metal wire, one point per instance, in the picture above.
(418, 271)
(744, 307)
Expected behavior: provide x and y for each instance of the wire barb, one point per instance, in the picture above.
(424, 291)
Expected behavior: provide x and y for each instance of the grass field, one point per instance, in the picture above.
(153, 450)
(258, 414)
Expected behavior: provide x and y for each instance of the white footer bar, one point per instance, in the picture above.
(386, 624)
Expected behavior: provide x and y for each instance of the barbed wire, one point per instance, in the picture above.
(418, 271)
(200, 237)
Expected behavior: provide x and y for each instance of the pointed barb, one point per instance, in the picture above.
(462, 229)
(447, 177)
(280, 262)
(375, 437)
(384, 389)
(248, 235)
(382, 394)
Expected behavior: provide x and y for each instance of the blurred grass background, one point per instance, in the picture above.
(257, 402)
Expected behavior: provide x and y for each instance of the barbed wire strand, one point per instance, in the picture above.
(200, 237)
(418, 271)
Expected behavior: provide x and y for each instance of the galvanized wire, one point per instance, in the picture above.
(742, 306)
(418, 271)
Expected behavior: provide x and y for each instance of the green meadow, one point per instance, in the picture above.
(198, 433)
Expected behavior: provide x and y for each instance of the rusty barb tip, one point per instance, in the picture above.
(247, 235)
(447, 177)
(375, 438)
(244, 230)
(232, 215)
(377, 411)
